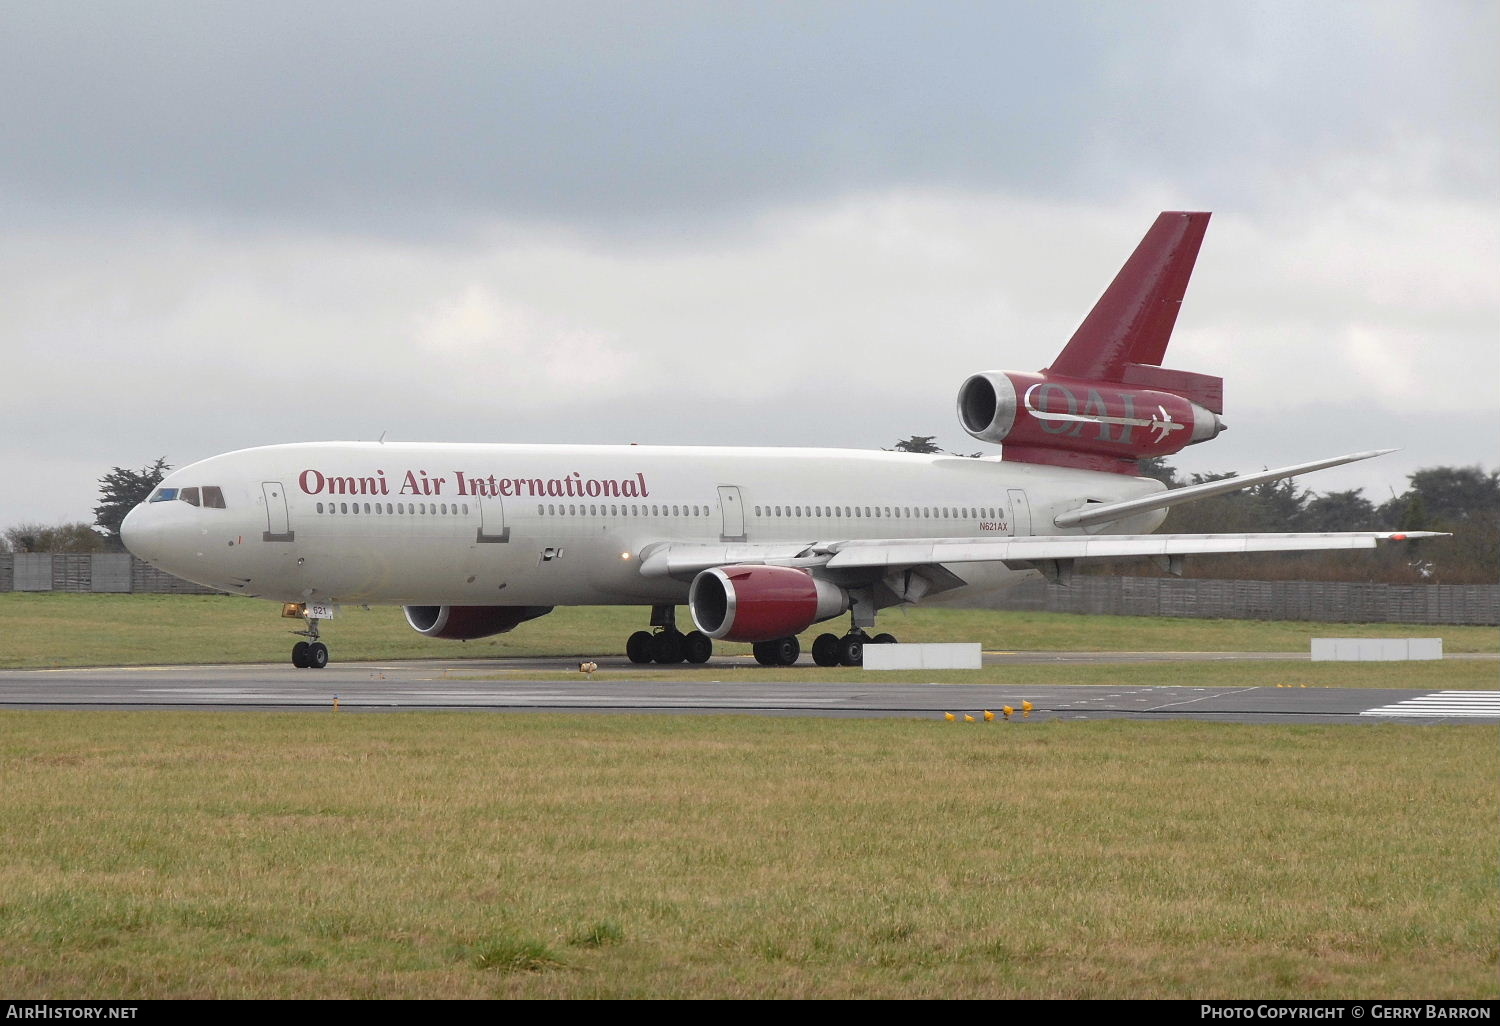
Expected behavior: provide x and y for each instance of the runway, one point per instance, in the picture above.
(431, 685)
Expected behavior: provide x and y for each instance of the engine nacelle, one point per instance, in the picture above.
(462, 623)
(1068, 421)
(761, 603)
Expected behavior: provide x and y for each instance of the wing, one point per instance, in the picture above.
(874, 558)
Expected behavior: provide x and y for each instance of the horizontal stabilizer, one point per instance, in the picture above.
(1103, 513)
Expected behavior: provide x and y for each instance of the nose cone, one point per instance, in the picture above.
(139, 536)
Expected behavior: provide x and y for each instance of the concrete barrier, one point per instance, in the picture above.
(961, 656)
(1375, 649)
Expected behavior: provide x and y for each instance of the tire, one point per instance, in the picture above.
(638, 647)
(666, 647)
(317, 655)
(784, 651)
(697, 647)
(300, 657)
(763, 653)
(883, 639)
(825, 650)
(852, 650)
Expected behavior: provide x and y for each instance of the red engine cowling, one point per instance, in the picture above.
(761, 603)
(461, 623)
(1075, 422)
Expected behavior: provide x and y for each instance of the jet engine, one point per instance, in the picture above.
(1075, 422)
(461, 623)
(761, 603)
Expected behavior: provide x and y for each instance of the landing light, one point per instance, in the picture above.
(624, 555)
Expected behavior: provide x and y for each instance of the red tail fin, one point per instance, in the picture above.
(1106, 401)
(1133, 320)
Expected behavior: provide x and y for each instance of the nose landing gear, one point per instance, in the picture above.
(311, 654)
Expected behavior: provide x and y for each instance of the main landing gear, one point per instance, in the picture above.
(310, 654)
(668, 644)
(831, 650)
(780, 652)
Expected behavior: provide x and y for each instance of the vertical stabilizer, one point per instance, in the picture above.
(1132, 321)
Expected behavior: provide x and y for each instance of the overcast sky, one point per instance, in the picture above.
(720, 223)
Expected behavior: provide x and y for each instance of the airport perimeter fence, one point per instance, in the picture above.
(1327, 601)
(99, 572)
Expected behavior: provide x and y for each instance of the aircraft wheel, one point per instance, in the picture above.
(825, 650)
(666, 647)
(317, 655)
(852, 650)
(884, 639)
(638, 647)
(299, 655)
(697, 647)
(784, 651)
(763, 653)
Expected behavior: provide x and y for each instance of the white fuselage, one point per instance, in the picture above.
(477, 524)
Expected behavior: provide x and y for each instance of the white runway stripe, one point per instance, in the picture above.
(1476, 704)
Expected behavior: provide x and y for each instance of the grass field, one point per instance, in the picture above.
(153, 855)
(51, 629)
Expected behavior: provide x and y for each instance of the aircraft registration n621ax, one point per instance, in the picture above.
(760, 543)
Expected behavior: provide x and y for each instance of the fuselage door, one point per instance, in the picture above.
(734, 513)
(1020, 514)
(492, 520)
(278, 526)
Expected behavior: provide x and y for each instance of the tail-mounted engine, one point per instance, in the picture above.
(1067, 422)
(1106, 401)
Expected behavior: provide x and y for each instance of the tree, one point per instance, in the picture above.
(1339, 511)
(1159, 468)
(918, 443)
(122, 490)
(927, 444)
(1454, 494)
(75, 537)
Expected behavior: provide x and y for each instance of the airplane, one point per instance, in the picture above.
(759, 543)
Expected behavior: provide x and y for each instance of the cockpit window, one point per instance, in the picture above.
(208, 496)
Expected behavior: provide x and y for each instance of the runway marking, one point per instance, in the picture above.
(1212, 693)
(1472, 704)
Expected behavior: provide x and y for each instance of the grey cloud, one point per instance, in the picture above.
(399, 118)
